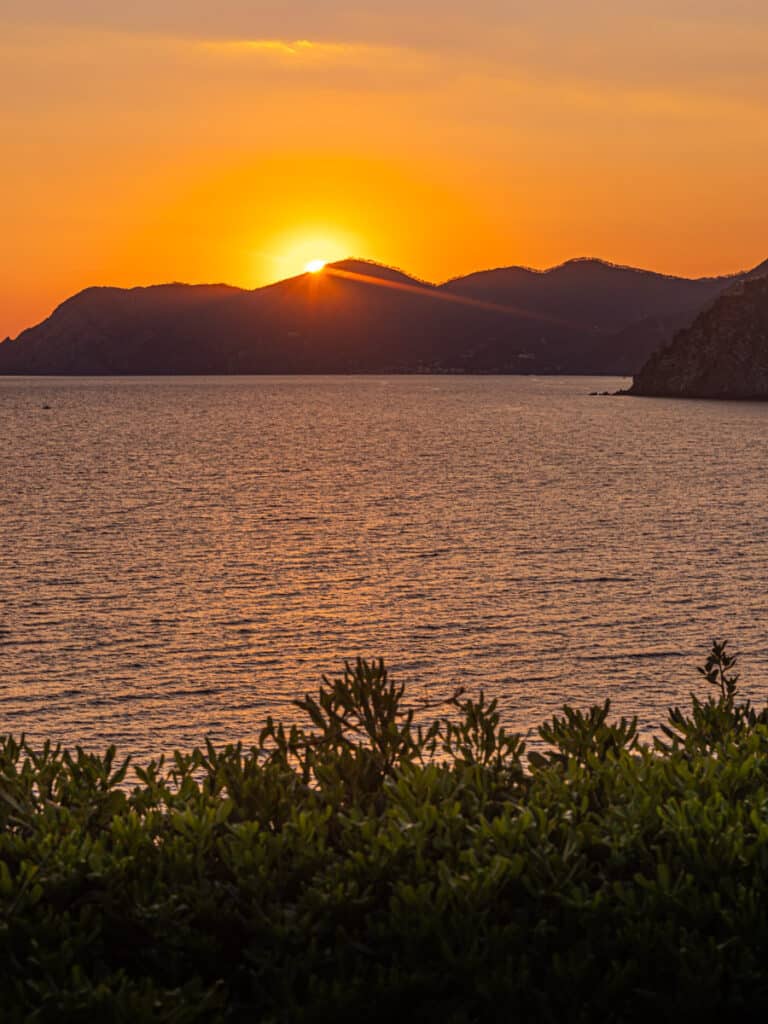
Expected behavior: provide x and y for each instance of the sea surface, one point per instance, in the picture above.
(180, 557)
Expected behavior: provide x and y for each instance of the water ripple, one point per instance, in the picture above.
(185, 556)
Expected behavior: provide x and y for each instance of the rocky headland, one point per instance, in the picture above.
(723, 354)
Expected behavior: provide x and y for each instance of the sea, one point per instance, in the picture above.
(181, 557)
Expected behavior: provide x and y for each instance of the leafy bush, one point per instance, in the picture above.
(368, 865)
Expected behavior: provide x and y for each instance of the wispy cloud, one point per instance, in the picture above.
(304, 51)
(340, 65)
(279, 47)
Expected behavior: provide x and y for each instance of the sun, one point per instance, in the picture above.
(314, 266)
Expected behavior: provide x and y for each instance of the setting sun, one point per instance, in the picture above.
(314, 266)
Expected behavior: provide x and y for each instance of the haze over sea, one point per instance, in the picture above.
(183, 556)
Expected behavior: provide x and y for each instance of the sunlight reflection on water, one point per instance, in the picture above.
(182, 556)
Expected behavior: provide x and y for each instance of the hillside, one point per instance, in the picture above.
(356, 316)
(724, 354)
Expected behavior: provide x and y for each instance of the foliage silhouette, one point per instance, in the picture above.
(378, 861)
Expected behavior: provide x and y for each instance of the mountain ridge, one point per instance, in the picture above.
(582, 316)
(592, 261)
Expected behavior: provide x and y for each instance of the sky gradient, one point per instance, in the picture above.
(235, 142)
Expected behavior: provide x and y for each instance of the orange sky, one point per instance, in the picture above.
(178, 142)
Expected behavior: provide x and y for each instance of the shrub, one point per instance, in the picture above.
(368, 864)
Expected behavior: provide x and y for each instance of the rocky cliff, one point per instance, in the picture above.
(724, 354)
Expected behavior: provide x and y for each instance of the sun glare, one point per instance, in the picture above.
(298, 250)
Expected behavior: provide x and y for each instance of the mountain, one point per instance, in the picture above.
(631, 311)
(724, 354)
(117, 330)
(357, 316)
(590, 291)
(371, 269)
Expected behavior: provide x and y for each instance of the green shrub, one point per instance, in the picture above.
(370, 865)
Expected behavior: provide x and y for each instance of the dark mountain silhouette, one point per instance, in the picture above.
(356, 316)
(723, 354)
(368, 268)
(589, 291)
(117, 330)
(631, 311)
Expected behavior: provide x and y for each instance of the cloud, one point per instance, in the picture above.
(309, 52)
(301, 48)
(600, 67)
(338, 66)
